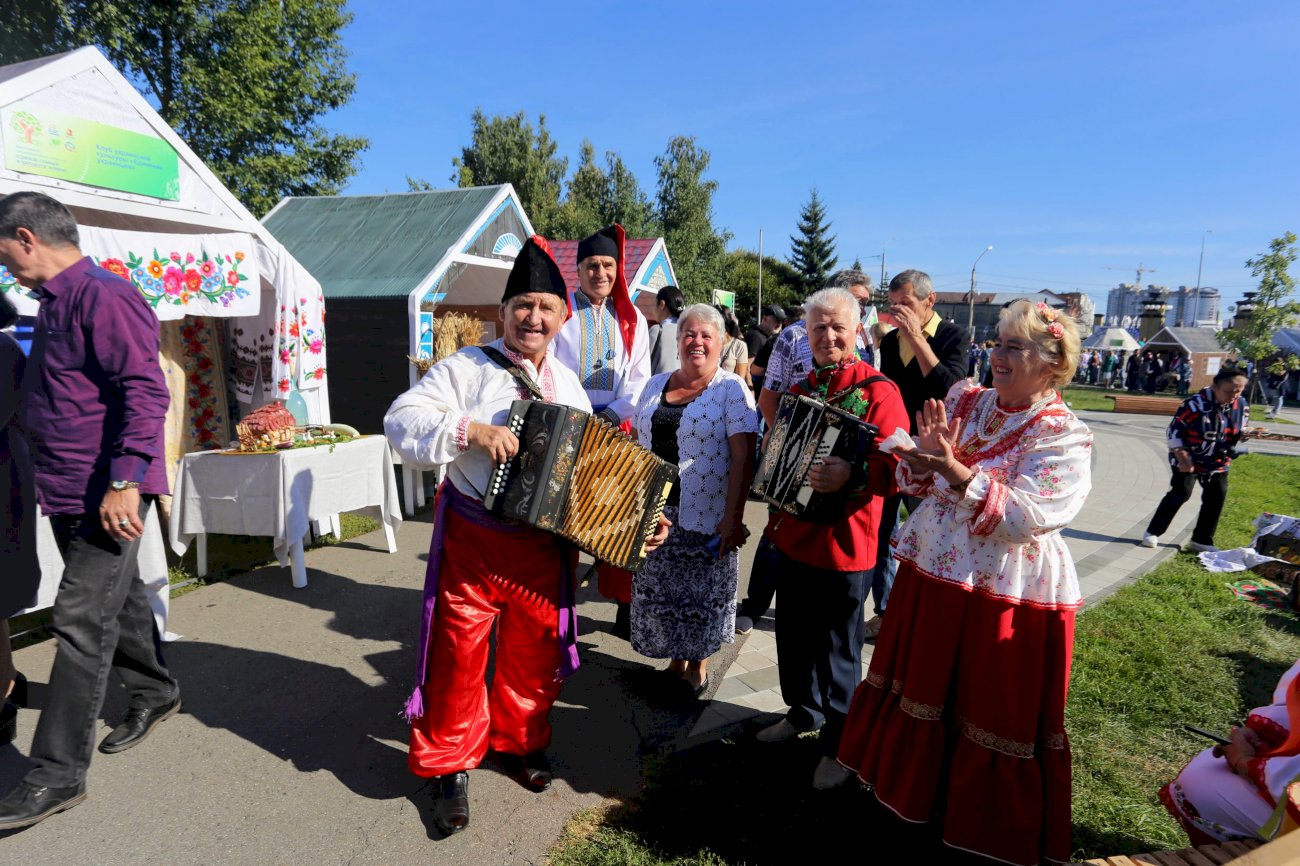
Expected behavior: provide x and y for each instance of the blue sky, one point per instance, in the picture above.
(1080, 140)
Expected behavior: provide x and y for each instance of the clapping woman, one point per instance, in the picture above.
(962, 712)
(702, 419)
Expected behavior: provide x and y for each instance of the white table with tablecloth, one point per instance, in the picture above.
(280, 494)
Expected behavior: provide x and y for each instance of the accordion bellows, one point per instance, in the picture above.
(577, 476)
(804, 432)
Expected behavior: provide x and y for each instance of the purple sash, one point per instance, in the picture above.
(472, 510)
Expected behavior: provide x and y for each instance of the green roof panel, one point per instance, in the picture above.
(376, 246)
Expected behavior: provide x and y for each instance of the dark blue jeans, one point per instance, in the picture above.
(819, 645)
(103, 623)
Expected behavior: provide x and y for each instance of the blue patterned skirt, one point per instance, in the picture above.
(684, 599)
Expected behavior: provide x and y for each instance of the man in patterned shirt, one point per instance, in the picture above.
(1203, 439)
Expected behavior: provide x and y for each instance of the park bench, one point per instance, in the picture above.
(1144, 404)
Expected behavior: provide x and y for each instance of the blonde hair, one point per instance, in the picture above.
(1038, 324)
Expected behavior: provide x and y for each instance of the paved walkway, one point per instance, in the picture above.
(290, 749)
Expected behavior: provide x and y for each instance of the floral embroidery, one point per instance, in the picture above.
(177, 280)
(924, 712)
(205, 416)
(875, 680)
(992, 741)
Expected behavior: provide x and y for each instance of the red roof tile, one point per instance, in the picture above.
(635, 251)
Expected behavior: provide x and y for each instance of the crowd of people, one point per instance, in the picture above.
(949, 521)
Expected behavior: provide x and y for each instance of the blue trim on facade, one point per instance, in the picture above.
(509, 202)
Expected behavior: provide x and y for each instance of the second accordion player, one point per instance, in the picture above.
(577, 476)
(805, 432)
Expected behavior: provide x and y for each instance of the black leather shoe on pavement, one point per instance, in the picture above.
(533, 770)
(27, 804)
(138, 724)
(451, 811)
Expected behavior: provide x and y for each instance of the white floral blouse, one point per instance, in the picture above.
(723, 409)
(1002, 536)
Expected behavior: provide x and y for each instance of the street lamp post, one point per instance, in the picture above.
(1196, 297)
(970, 319)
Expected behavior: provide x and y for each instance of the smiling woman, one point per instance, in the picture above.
(701, 418)
(983, 565)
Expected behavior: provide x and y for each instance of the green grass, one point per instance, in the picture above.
(1174, 648)
(1095, 399)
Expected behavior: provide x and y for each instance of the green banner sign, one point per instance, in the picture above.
(724, 298)
(44, 142)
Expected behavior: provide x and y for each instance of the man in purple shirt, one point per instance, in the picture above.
(92, 407)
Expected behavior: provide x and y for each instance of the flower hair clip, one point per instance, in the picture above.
(1055, 329)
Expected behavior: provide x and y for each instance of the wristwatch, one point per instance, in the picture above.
(119, 486)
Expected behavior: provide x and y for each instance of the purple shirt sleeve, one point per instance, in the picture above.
(123, 337)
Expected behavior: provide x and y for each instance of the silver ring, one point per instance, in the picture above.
(124, 523)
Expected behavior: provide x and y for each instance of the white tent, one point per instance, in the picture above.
(1111, 338)
(72, 127)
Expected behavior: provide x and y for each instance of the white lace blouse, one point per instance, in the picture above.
(1002, 536)
(723, 409)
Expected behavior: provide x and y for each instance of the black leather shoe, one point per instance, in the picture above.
(533, 770)
(27, 804)
(451, 811)
(138, 724)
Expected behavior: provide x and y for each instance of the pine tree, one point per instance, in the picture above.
(812, 250)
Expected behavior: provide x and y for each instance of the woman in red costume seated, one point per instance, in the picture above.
(1240, 790)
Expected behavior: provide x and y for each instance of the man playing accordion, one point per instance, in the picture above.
(482, 571)
(823, 569)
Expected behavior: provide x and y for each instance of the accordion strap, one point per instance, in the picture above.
(499, 358)
(861, 383)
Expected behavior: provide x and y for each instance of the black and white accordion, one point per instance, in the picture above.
(578, 476)
(805, 432)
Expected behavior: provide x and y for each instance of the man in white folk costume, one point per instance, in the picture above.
(605, 342)
(484, 572)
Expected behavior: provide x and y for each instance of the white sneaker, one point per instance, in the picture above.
(744, 625)
(1197, 547)
(829, 774)
(1149, 540)
(782, 730)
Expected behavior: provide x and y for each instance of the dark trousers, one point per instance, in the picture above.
(819, 645)
(762, 581)
(102, 622)
(1214, 490)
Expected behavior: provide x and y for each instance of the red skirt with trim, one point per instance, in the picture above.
(961, 717)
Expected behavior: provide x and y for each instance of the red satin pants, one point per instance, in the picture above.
(511, 579)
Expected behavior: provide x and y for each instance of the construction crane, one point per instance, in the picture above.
(1140, 271)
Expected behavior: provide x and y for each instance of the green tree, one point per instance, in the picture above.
(1271, 310)
(684, 206)
(624, 201)
(243, 82)
(581, 213)
(782, 284)
(812, 250)
(508, 150)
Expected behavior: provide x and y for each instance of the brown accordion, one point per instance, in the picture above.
(577, 476)
(804, 432)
